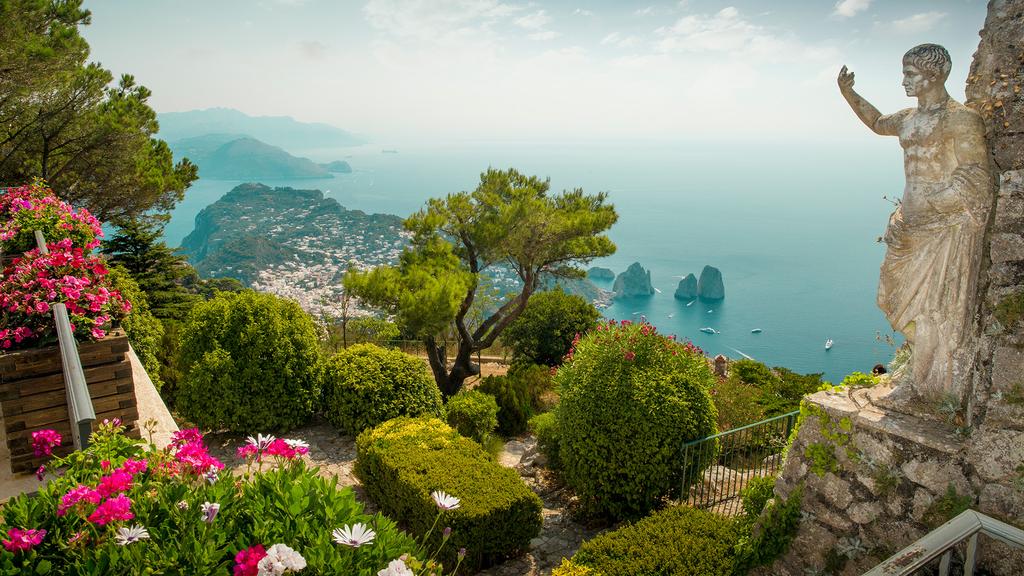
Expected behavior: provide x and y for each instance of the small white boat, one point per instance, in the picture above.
(708, 330)
(635, 313)
(755, 331)
(690, 303)
(710, 311)
(828, 344)
(658, 291)
(672, 314)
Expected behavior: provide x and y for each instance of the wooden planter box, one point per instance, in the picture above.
(32, 394)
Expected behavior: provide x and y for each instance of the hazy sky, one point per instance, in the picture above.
(418, 70)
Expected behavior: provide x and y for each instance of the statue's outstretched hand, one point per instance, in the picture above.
(845, 79)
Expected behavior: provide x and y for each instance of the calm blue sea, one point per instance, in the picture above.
(793, 229)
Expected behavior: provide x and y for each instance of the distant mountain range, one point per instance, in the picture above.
(241, 157)
(281, 131)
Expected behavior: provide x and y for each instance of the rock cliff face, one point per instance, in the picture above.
(601, 274)
(711, 286)
(687, 289)
(634, 282)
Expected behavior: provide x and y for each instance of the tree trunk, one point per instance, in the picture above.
(462, 368)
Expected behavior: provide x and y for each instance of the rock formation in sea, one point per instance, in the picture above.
(710, 286)
(601, 274)
(687, 289)
(635, 281)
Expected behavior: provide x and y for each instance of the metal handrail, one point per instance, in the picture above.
(939, 544)
(789, 415)
(80, 409)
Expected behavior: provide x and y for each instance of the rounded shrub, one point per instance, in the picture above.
(630, 399)
(518, 395)
(473, 413)
(249, 361)
(544, 331)
(365, 385)
(545, 428)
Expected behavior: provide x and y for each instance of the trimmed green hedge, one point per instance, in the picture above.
(365, 385)
(473, 413)
(545, 428)
(403, 460)
(676, 541)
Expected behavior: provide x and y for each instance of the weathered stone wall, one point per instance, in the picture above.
(874, 481)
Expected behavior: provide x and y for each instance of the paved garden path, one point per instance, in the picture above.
(335, 454)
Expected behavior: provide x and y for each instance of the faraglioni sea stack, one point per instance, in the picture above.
(687, 289)
(710, 286)
(635, 281)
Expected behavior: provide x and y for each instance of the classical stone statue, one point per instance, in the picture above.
(934, 237)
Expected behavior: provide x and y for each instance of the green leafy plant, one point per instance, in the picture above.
(768, 528)
(630, 399)
(946, 507)
(120, 507)
(1010, 309)
(144, 330)
(545, 428)
(677, 540)
(545, 330)
(518, 394)
(250, 361)
(403, 461)
(365, 385)
(473, 413)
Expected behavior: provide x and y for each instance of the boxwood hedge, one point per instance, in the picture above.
(403, 460)
(676, 541)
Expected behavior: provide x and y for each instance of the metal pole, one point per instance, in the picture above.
(80, 410)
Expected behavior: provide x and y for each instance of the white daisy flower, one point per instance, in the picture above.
(130, 534)
(354, 536)
(444, 501)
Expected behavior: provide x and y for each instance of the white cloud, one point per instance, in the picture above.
(620, 40)
(644, 11)
(536, 21)
(436, 19)
(917, 23)
(850, 8)
(727, 31)
(582, 12)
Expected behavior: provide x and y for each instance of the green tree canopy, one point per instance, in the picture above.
(511, 219)
(544, 331)
(61, 118)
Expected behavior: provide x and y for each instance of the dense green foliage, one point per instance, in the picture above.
(145, 332)
(677, 541)
(154, 266)
(473, 413)
(545, 428)
(403, 460)
(518, 394)
(768, 527)
(630, 399)
(509, 220)
(64, 120)
(285, 502)
(754, 392)
(544, 332)
(365, 385)
(249, 361)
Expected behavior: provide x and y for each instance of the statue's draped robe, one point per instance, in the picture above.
(929, 275)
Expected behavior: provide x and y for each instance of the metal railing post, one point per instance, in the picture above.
(80, 410)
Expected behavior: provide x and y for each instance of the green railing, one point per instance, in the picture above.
(717, 468)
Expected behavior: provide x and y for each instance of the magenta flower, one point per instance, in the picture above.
(111, 510)
(247, 561)
(134, 467)
(116, 483)
(20, 540)
(76, 496)
(44, 441)
(630, 355)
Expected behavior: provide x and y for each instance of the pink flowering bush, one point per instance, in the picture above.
(630, 398)
(123, 507)
(34, 282)
(44, 441)
(25, 209)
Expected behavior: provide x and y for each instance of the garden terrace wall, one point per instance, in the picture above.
(33, 397)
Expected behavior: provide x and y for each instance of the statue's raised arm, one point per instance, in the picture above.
(867, 113)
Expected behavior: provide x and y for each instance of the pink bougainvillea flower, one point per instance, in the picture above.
(19, 540)
(44, 441)
(247, 561)
(111, 510)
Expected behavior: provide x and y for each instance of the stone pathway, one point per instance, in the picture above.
(335, 454)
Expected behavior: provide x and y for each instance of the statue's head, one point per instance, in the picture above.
(925, 66)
